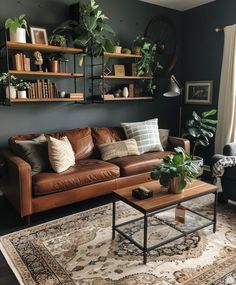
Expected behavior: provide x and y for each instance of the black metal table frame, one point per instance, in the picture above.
(145, 249)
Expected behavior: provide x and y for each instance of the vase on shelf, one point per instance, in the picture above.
(21, 94)
(10, 92)
(19, 36)
(54, 66)
(125, 92)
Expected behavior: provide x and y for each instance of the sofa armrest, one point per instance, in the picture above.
(17, 182)
(215, 158)
(175, 141)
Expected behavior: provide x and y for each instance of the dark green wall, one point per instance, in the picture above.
(129, 18)
(203, 51)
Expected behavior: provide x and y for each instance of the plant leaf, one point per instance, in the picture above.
(209, 113)
(208, 121)
(107, 28)
(196, 117)
(194, 132)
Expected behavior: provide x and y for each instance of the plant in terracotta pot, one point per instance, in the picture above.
(138, 43)
(199, 130)
(54, 62)
(9, 81)
(175, 171)
(57, 40)
(22, 87)
(18, 28)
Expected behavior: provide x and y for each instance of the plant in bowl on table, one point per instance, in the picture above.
(200, 129)
(175, 171)
(18, 28)
(9, 81)
(22, 87)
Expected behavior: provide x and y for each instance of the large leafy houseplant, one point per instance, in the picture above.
(90, 31)
(200, 129)
(17, 22)
(179, 165)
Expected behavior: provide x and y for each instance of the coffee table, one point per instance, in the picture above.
(160, 202)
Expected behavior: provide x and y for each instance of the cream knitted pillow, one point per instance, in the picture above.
(61, 154)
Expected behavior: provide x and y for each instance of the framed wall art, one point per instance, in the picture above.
(198, 92)
(38, 36)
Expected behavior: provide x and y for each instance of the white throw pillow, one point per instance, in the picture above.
(164, 135)
(61, 154)
(145, 133)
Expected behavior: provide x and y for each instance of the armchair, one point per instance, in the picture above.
(228, 180)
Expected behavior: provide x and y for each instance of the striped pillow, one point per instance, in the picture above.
(145, 133)
(119, 149)
(61, 154)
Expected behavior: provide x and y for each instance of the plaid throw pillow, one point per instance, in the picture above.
(145, 133)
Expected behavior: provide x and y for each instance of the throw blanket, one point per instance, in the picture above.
(218, 167)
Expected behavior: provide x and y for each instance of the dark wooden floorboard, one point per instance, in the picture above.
(10, 222)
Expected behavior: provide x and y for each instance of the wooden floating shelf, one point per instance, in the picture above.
(46, 100)
(129, 98)
(44, 48)
(53, 74)
(121, 55)
(126, 77)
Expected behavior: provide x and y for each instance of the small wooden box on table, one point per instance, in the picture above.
(160, 202)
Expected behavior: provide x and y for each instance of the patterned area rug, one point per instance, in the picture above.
(78, 250)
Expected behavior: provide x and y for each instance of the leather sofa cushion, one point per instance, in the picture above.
(107, 135)
(81, 141)
(84, 172)
(131, 165)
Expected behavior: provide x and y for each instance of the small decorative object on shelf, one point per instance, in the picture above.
(62, 94)
(38, 60)
(22, 87)
(119, 70)
(125, 92)
(117, 47)
(106, 71)
(38, 36)
(18, 28)
(126, 51)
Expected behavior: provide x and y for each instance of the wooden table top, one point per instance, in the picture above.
(161, 198)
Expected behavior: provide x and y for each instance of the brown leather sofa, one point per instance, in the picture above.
(90, 177)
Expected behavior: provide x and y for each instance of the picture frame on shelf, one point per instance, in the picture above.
(119, 70)
(38, 36)
(198, 92)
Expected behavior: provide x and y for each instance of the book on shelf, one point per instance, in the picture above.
(76, 96)
(132, 69)
(131, 90)
(42, 89)
(108, 96)
(20, 62)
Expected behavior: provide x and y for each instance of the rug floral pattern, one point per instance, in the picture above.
(78, 250)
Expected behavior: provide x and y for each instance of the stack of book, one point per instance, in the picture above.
(42, 89)
(21, 62)
(77, 96)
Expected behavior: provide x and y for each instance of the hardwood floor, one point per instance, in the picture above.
(10, 222)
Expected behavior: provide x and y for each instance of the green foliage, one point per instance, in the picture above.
(147, 64)
(6, 78)
(139, 41)
(177, 165)
(16, 22)
(90, 31)
(23, 85)
(200, 129)
(57, 40)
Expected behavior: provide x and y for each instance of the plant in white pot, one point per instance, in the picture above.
(199, 130)
(9, 81)
(22, 87)
(18, 28)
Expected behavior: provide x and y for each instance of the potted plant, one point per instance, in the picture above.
(57, 40)
(18, 28)
(138, 43)
(117, 47)
(199, 130)
(54, 62)
(22, 87)
(10, 82)
(175, 171)
(90, 31)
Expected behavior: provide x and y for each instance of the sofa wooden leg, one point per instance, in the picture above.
(28, 221)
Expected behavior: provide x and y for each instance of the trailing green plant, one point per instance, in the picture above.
(91, 31)
(147, 64)
(22, 85)
(177, 165)
(117, 43)
(57, 40)
(200, 129)
(6, 78)
(17, 22)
